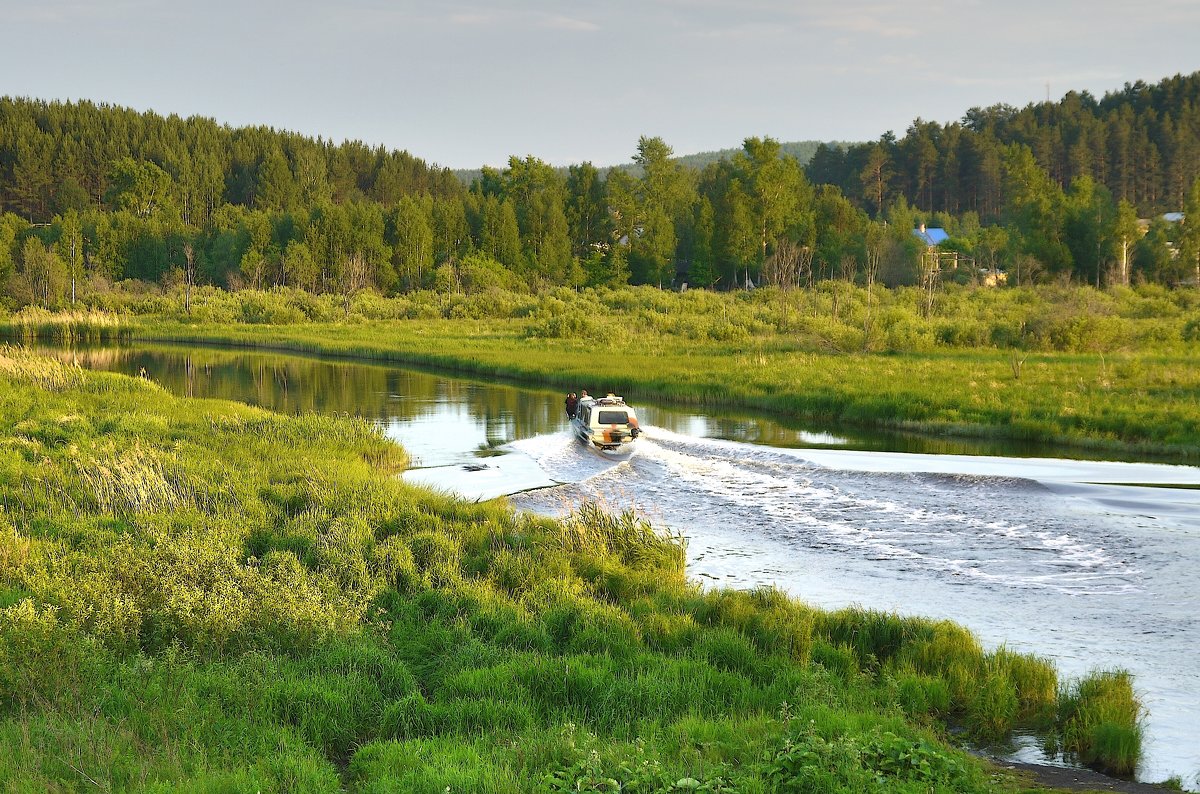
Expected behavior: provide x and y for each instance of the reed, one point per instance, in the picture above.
(20, 365)
(134, 481)
(72, 327)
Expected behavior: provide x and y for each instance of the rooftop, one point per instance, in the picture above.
(931, 236)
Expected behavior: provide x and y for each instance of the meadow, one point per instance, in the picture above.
(1115, 370)
(203, 596)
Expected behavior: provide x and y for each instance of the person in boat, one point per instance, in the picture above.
(571, 403)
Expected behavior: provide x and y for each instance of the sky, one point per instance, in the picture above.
(463, 84)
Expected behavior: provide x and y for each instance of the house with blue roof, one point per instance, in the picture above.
(942, 261)
(932, 237)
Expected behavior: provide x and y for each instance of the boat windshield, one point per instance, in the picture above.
(610, 417)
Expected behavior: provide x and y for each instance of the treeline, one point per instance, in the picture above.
(91, 195)
(1142, 143)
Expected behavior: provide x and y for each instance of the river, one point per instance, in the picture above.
(1090, 563)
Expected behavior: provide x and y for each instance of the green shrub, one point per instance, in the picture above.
(1191, 330)
(268, 309)
(563, 326)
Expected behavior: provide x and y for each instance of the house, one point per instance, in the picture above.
(1169, 217)
(932, 237)
(939, 262)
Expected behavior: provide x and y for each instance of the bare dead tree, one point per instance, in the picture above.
(929, 273)
(780, 269)
(789, 266)
(1123, 262)
(847, 267)
(354, 277)
(189, 276)
(876, 240)
(804, 268)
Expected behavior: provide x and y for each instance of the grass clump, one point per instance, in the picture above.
(1101, 721)
(18, 364)
(939, 669)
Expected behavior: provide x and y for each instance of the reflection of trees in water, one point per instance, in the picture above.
(293, 384)
(88, 358)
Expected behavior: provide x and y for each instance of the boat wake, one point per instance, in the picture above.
(727, 498)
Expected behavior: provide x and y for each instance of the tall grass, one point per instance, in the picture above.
(33, 324)
(17, 363)
(1101, 720)
(135, 481)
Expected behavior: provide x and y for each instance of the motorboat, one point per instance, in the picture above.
(607, 425)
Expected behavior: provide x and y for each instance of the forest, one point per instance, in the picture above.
(95, 197)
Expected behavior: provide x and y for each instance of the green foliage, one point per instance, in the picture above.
(811, 762)
(958, 167)
(171, 198)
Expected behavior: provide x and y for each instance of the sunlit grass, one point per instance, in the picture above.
(1101, 721)
(32, 323)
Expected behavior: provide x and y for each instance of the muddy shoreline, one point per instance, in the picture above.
(1061, 778)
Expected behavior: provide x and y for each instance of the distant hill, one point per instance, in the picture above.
(803, 151)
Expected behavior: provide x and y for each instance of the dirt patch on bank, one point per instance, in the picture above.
(1069, 779)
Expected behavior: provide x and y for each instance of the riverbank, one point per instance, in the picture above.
(1071, 366)
(1059, 778)
(193, 589)
(1130, 405)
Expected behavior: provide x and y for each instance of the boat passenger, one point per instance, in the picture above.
(571, 402)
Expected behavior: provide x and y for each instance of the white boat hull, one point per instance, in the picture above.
(621, 451)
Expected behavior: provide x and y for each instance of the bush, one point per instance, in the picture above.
(268, 309)
(563, 326)
(1191, 330)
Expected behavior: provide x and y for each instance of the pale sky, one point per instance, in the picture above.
(462, 84)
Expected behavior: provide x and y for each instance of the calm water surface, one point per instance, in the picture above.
(1090, 563)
